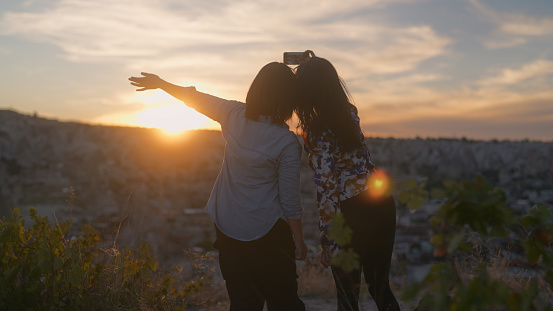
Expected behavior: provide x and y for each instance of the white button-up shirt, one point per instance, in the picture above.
(259, 179)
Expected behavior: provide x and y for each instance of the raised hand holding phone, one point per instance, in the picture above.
(296, 58)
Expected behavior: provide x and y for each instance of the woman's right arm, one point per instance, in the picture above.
(321, 160)
(205, 104)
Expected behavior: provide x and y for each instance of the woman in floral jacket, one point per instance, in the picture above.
(343, 168)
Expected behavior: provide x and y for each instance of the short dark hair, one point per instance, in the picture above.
(272, 93)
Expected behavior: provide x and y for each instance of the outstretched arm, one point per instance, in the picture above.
(150, 81)
(211, 106)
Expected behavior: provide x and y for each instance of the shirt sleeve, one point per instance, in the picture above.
(213, 107)
(323, 163)
(289, 181)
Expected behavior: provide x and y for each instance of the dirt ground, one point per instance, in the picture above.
(316, 289)
(311, 304)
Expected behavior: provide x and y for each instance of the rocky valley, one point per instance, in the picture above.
(139, 184)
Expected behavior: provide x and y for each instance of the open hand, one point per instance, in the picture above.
(148, 81)
(326, 257)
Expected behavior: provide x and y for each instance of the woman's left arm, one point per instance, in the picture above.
(297, 233)
(289, 194)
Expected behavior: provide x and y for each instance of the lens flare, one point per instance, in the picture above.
(379, 184)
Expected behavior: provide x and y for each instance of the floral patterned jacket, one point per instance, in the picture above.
(338, 175)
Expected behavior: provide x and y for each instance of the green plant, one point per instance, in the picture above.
(472, 213)
(472, 223)
(338, 231)
(42, 268)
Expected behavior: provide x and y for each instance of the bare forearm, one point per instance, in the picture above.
(296, 228)
(205, 104)
(185, 94)
(208, 105)
(301, 248)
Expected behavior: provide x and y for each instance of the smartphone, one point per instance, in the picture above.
(294, 58)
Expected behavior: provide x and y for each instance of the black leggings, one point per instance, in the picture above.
(373, 222)
(259, 271)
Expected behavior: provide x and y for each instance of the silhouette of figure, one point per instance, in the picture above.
(342, 165)
(255, 202)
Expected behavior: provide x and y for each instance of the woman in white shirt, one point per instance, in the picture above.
(255, 202)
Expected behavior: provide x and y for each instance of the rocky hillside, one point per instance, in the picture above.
(523, 168)
(43, 161)
(154, 185)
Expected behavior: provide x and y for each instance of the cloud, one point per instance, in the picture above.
(221, 44)
(501, 43)
(516, 24)
(398, 97)
(511, 76)
(392, 50)
(102, 29)
(405, 83)
(515, 103)
(4, 50)
(516, 119)
(522, 110)
(457, 127)
(127, 31)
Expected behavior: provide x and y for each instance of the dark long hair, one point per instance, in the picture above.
(272, 93)
(323, 104)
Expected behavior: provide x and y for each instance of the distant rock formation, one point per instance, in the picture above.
(519, 167)
(104, 174)
(42, 160)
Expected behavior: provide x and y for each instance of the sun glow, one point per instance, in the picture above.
(172, 116)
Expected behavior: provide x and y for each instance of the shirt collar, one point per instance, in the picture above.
(268, 119)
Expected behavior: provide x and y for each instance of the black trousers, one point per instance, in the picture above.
(260, 271)
(373, 222)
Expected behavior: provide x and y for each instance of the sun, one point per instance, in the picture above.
(172, 118)
(162, 111)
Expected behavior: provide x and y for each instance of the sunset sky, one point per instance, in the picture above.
(479, 69)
